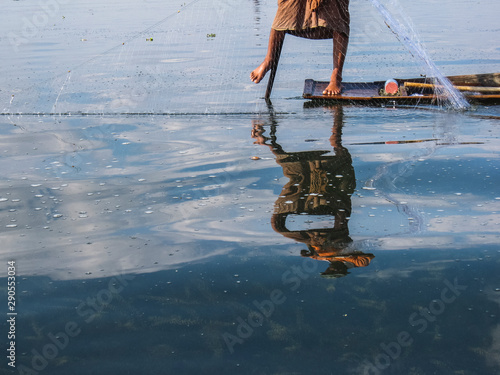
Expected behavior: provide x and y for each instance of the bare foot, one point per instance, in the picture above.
(258, 134)
(259, 73)
(334, 87)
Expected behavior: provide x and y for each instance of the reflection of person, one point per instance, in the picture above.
(312, 19)
(339, 264)
(319, 184)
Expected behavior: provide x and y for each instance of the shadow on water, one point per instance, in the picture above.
(319, 189)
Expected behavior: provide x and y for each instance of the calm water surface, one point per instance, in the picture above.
(226, 236)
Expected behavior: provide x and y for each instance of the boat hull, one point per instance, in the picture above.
(371, 93)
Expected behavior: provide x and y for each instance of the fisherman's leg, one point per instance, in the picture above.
(340, 42)
(276, 39)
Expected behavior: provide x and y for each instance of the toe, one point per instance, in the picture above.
(255, 77)
(332, 92)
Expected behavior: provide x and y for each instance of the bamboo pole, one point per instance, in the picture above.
(274, 69)
(459, 88)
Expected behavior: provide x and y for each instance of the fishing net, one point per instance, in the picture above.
(159, 57)
(151, 56)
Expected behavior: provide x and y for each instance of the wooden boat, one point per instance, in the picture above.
(477, 89)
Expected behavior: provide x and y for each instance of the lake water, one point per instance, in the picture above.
(163, 218)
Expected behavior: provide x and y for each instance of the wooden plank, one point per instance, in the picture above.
(309, 87)
(486, 80)
(350, 89)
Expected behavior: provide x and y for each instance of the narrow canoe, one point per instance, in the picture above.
(477, 89)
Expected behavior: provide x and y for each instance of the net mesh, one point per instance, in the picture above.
(151, 56)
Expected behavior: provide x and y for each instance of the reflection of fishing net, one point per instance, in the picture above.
(392, 180)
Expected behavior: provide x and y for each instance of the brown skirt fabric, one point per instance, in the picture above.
(296, 15)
